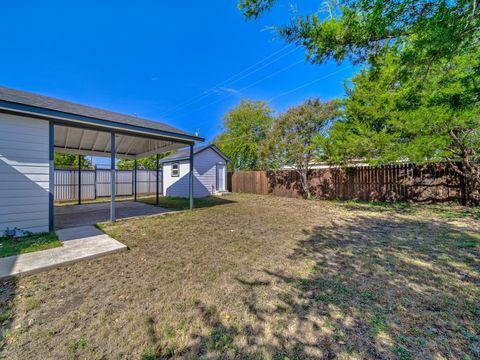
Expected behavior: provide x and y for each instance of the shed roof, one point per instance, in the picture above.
(47, 106)
(184, 154)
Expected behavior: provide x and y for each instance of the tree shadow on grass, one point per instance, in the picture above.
(390, 287)
(8, 289)
(221, 341)
(376, 288)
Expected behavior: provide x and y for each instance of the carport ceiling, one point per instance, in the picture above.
(82, 141)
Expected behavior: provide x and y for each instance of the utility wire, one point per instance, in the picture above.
(232, 79)
(262, 67)
(310, 83)
(278, 96)
(272, 74)
(230, 140)
(256, 64)
(244, 88)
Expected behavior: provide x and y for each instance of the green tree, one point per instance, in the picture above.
(363, 29)
(244, 128)
(147, 163)
(70, 161)
(417, 98)
(298, 138)
(390, 116)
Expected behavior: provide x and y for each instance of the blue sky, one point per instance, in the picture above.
(150, 57)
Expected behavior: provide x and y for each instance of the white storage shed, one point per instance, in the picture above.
(209, 172)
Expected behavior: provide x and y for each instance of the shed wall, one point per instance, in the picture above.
(205, 175)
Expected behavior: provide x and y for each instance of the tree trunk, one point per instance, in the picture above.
(470, 181)
(304, 182)
(472, 185)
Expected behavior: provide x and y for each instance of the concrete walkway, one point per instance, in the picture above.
(79, 243)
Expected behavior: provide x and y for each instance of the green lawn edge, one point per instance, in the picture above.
(26, 244)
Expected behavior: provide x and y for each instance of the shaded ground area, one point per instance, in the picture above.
(179, 203)
(262, 277)
(89, 214)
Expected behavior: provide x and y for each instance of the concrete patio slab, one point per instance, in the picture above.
(89, 214)
(79, 243)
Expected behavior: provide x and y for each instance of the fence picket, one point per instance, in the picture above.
(384, 183)
(96, 183)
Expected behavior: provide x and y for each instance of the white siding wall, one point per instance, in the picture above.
(24, 181)
(205, 175)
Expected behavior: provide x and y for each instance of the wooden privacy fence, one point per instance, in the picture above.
(96, 183)
(406, 182)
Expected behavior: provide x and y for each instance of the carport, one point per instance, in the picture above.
(84, 130)
(115, 145)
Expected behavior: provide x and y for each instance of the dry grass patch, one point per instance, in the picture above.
(261, 277)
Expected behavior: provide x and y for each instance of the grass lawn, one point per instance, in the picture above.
(262, 277)
(180, 203)
(26, 244)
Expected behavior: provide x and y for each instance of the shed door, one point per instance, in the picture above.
(220, 177)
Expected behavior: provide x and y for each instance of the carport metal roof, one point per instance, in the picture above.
(74, 140)
(85, 130)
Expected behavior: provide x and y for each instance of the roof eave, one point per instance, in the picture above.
(174, 160)
(220, 152)
(63, 117)
(211, 146)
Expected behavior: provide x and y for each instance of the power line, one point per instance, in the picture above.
(227, 80)
(244, 88)
(230, 140)
(262, 67)
(310, 83)
(232, 79)
(257, 63)
(278, 96)
(273, 74)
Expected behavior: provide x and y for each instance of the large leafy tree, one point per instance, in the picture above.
(389, 116)
(297, 138)
(244, 127)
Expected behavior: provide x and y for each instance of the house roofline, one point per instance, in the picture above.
(210, 146)
(96, 123)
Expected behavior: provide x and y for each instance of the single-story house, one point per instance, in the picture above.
(209, 172)
(33, 127)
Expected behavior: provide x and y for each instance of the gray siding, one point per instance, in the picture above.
(24, 171)
(205, 169)
(205, 175)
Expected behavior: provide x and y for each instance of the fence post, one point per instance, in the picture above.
(149, 181)
(113, 177)
(157, 185)
(190, 178)
(463, 190)
(135, 179)
(79, 179)
(95, 182)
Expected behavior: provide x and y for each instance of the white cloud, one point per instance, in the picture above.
(223, 91)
